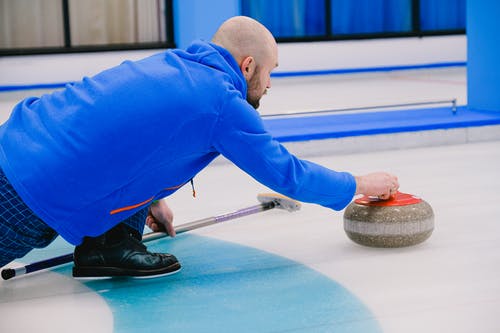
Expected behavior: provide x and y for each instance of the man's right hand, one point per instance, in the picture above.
(380, 184)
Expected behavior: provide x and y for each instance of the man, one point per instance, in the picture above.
(92, 161)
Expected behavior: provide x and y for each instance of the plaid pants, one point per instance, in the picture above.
(21, 230)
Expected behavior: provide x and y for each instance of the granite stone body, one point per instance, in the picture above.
(389, 226)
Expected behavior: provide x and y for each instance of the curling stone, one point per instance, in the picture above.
(403, 220)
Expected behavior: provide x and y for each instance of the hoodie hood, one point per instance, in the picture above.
(217, 57)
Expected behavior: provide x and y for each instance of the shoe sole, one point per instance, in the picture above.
(93, 272)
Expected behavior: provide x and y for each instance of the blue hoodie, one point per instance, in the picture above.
(90, 155)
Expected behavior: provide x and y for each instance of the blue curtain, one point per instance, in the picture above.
(303, 18)
(288, 18)
(442, 14)
(370, 16)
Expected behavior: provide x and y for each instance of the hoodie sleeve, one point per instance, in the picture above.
(241, 137)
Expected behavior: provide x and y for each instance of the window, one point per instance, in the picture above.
(302, 20)
(442, 15)
(292, 18)
(370, 16)
(31, 23)
(39, 26)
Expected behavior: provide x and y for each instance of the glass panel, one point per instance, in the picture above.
(288, 18)
(31, 23)
(97, 22)
(442, 14)
(370, 16)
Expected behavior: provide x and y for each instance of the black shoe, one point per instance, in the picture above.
(119, 252)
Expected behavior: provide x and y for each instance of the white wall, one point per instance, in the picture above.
(372, 53)
(20, 70)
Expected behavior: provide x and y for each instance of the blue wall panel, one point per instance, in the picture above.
(483, 55)
(199, 19)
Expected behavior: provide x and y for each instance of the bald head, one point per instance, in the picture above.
(243, 37)
(254, 49)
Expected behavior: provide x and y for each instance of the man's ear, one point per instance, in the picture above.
(247, 67)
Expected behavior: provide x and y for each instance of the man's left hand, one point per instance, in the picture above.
(161, 218)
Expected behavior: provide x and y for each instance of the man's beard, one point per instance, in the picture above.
(253, 86)
(255, 102)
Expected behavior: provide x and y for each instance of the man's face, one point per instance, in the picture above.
(260, 81)
(257, 87)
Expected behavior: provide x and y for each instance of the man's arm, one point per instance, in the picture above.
(241, 137)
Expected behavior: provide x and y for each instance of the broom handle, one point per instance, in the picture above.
(9, 273)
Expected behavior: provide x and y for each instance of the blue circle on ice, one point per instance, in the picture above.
(226, 287)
